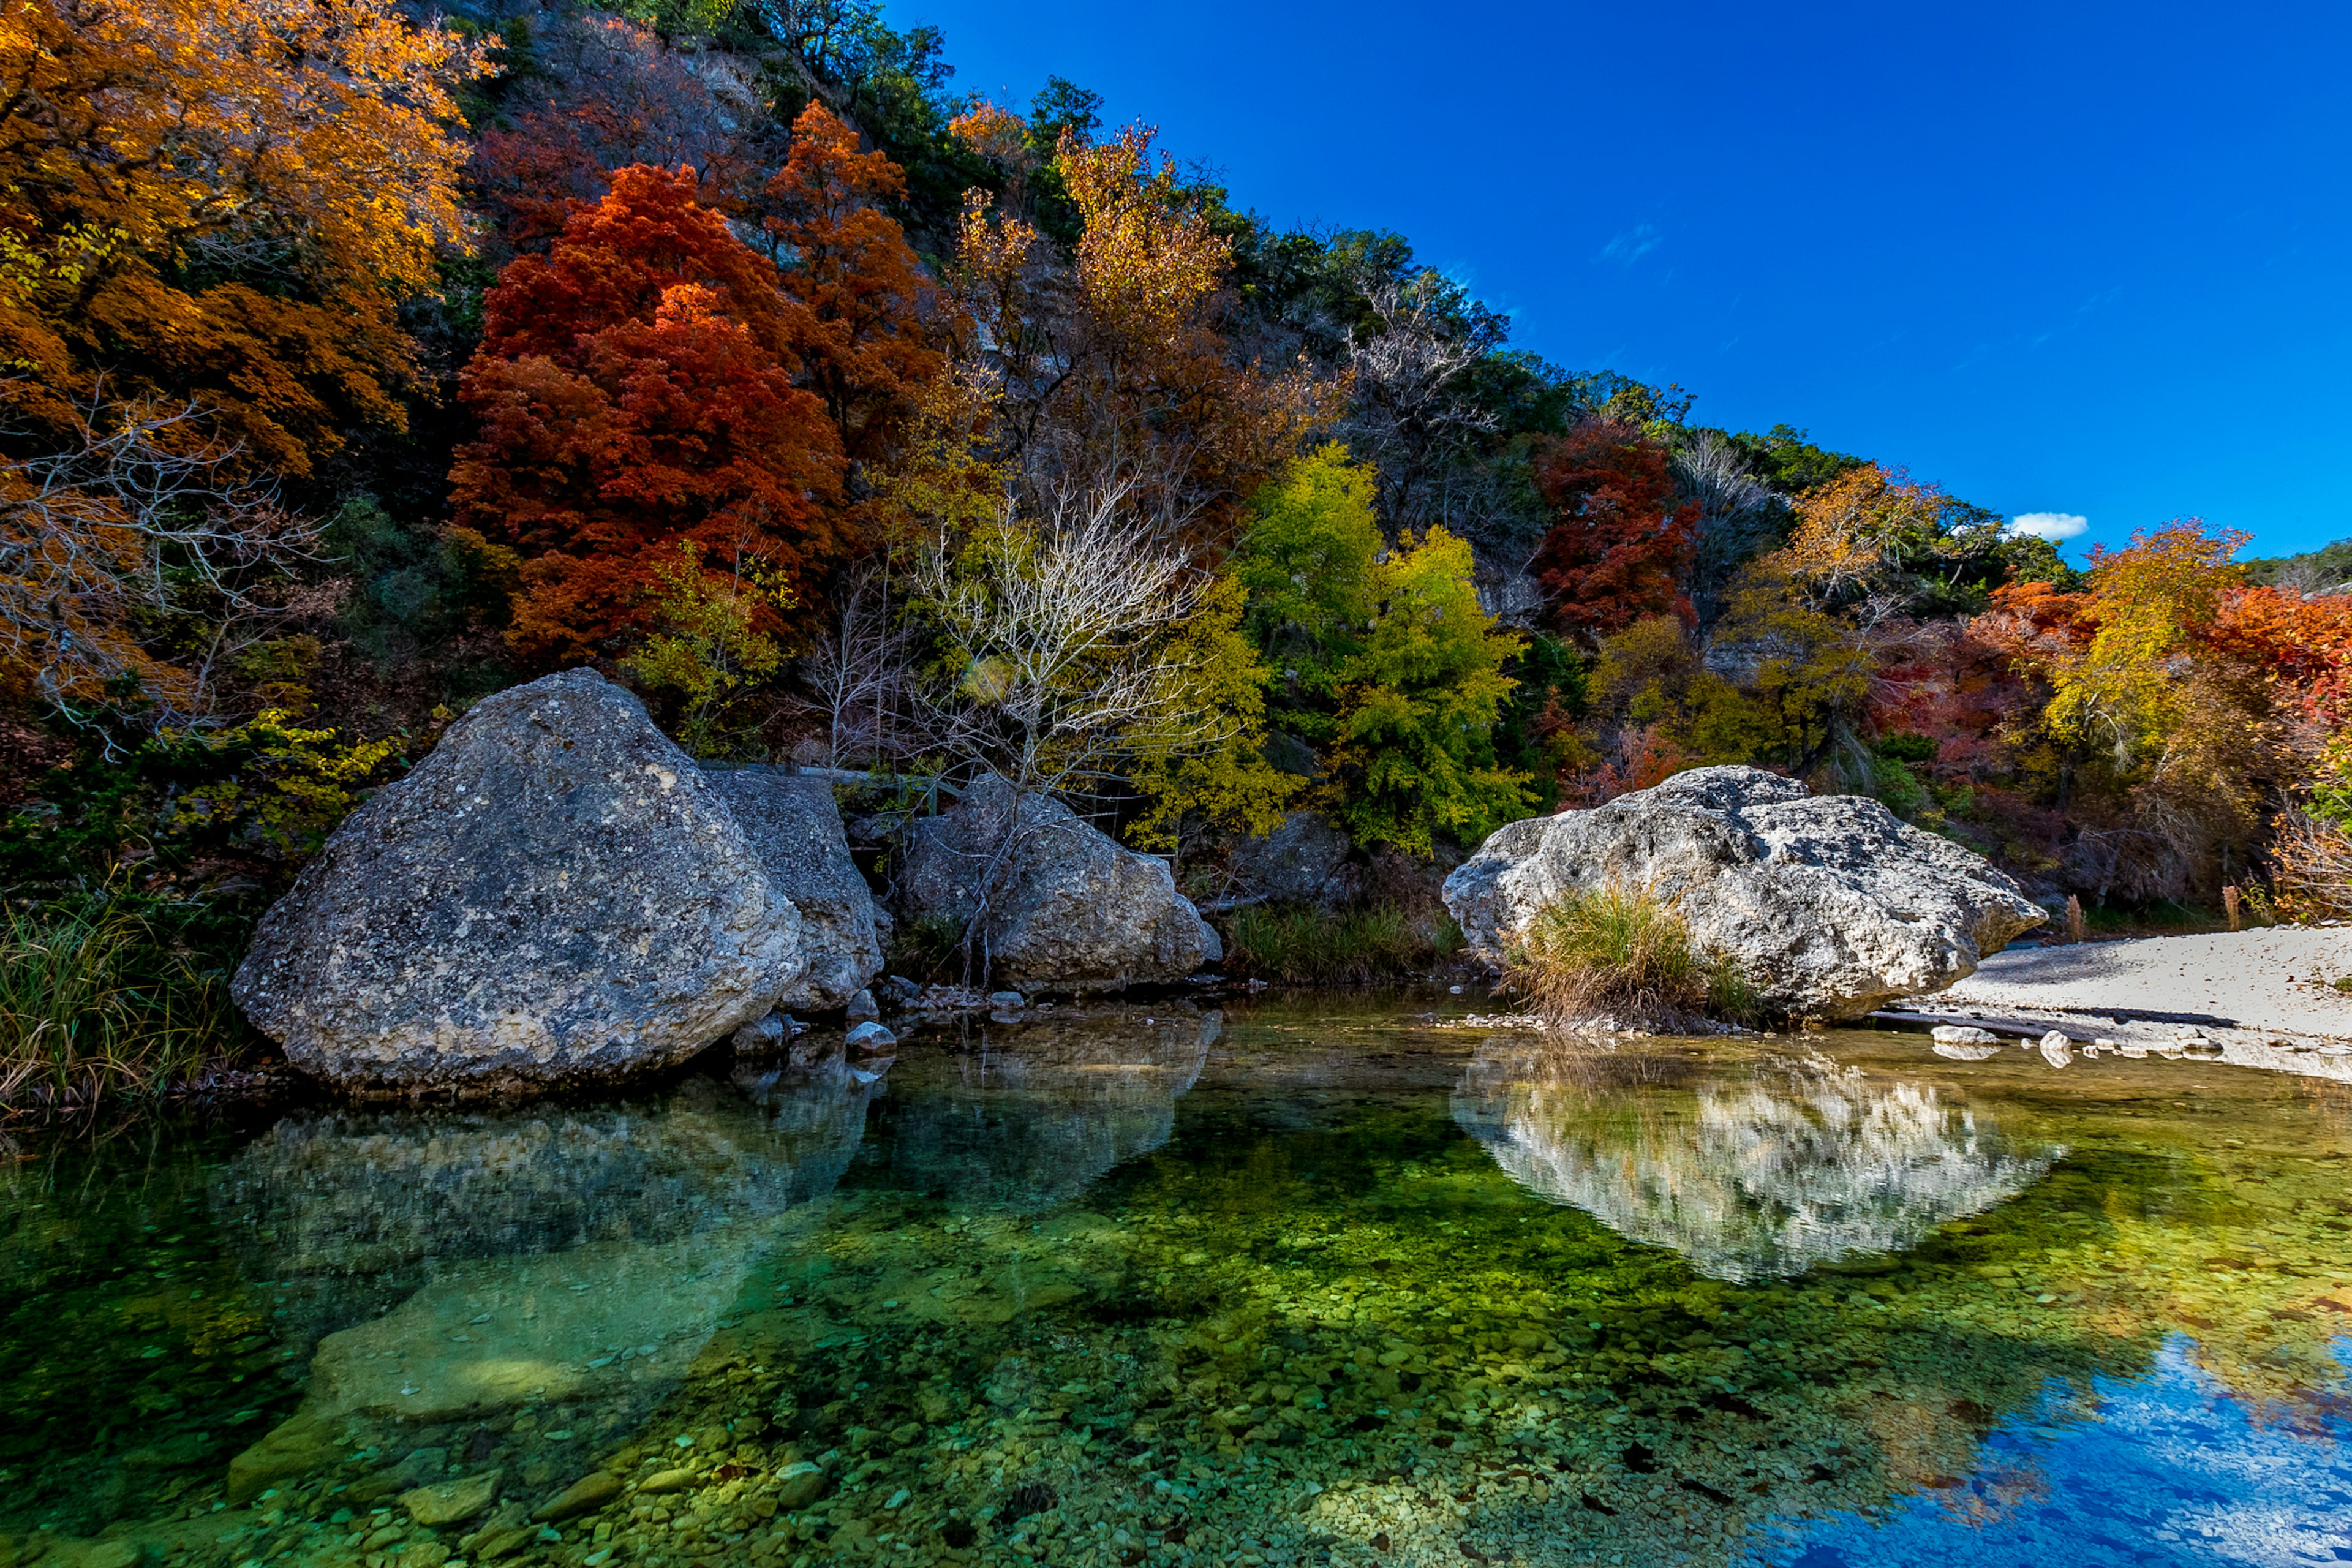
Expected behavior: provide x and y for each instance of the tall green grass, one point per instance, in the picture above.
(1624, 954)
(932, 949)
(95, 1002)
(1315, 947)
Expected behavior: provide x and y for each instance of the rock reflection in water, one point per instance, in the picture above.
(1750, 1168)
(579, 1258)
(379, 1203)
(1032, 1115)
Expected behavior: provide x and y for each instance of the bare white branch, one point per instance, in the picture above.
(145, 513)
(860, 673)
(1058, 636)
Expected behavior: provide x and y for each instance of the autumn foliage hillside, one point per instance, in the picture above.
(361, 363)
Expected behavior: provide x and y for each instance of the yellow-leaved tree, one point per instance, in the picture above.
(1227, 784)
(1115, 365)
(1416, 754)
(2129, 687)
(222, 201)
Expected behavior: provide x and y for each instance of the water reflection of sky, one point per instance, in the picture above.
(2165, 1469)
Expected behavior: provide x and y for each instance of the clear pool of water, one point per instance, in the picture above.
(1299, 1282)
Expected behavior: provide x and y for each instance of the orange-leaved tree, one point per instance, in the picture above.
(2299, 645)
(220, 201)
(636, 391)
(1875, 542)
(209, 212)
(1148, 258)
(868, 306)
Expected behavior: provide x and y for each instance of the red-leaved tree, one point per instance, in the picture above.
(1622, 549)
(868, 305)
(636, 390)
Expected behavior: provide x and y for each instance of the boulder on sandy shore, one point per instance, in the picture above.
(555, 893)
(1060, 905)
(796, 825)
(1831, 904)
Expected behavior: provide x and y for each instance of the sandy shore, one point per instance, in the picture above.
(2270, 979)
(2262, 998)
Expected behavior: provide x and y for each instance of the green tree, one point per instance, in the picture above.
(708, 646)
(1380, 660)
(1536, 733)
(1307, 565)
(1416, 747)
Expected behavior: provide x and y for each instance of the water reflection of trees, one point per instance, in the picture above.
(1751, 1167)
(1032, 1115)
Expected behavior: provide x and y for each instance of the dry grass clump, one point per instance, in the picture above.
(1624, 954)
(93, 1004)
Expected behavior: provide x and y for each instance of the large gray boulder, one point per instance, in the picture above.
(1060, 905)
(555, 893)
(1831, 904)
(1303, 861)
(796, 825)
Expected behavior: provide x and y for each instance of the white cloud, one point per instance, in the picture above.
(1630, 247)
(2051, 525)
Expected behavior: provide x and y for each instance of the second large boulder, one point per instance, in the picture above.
(796, 825)
(1831, 904)
(1055, 904)
(555, 893)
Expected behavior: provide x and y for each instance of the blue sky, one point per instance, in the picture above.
(2079, 259)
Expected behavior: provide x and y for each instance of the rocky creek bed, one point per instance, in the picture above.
(1168, 1286)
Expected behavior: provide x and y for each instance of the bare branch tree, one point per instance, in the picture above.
(1405, 371)
(861, 673)
(1059, 663)
(1407, 406)
(1060, 657)
(146, 513)
(1739, 513)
